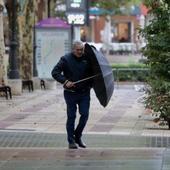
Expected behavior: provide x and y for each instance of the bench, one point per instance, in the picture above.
(42, 84)
(6, 90)
(28, 84)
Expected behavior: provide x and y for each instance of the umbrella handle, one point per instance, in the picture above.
(87, 78)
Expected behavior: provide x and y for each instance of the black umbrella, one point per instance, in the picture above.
(103, 82)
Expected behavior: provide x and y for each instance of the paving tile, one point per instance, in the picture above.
(166, 160)
(118, 137)
(144, 159)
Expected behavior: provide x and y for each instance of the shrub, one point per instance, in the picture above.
(130, 72)
(157, 51)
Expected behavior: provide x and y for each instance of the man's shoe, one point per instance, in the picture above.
(80, 143)
(72, 146)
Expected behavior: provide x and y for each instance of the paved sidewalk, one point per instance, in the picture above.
(44, 111)
(84, 159)
(120, 136)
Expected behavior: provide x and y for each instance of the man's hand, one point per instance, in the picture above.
(69, 84)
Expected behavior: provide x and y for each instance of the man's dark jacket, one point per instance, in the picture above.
(73, 69)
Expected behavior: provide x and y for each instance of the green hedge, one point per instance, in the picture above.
(130, 72)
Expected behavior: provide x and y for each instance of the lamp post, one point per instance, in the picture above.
(49, 8)
(35, 72)
(13, 72)
(2, 46)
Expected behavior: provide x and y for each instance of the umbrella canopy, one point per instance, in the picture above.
(103, 83)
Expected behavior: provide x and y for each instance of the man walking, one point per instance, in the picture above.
(72, 67)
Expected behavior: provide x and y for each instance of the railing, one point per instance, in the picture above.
(133, 72)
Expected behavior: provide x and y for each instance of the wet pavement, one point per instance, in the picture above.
(120, 136)
(62, 159)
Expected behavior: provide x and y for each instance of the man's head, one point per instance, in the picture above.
(78, 48)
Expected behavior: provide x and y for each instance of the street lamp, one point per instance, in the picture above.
(35, 72)
(2, 46)
(13, 72)
(49, 8)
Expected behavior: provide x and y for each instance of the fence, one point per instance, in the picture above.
(130, 74)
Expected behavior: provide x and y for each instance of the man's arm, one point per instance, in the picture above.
(57, 72)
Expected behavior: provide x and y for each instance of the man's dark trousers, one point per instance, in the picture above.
(74, 100)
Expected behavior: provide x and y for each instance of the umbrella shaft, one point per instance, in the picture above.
(87, 78)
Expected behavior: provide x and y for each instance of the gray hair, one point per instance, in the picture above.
(75, 43)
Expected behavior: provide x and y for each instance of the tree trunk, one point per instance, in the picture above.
(26, 40)
(34, 10)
